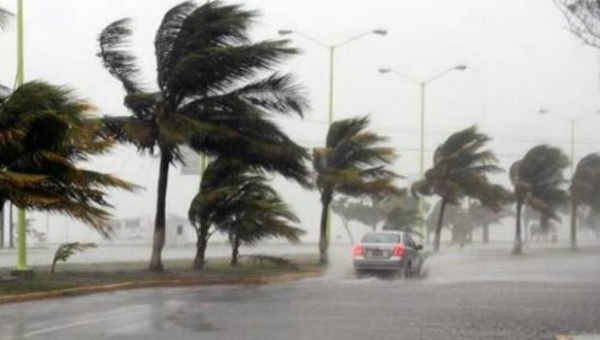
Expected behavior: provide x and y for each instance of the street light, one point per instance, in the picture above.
(332, 48)
(423, 86)
(572, 121)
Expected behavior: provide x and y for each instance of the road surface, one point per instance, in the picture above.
(469, 294)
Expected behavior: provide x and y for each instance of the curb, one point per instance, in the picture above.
(72, 292)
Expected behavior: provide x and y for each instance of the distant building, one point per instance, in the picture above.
(140, 229)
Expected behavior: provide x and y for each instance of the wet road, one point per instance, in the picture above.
(464, 295)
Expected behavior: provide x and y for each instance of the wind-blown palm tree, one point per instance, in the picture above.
(44, 132)
(484, 217)
(538, 180)
(400, 212)
(460, 169)
(219, 188)
(235, 200)
(260, 214)
(585, 190)
(212, 95)
(352, 163)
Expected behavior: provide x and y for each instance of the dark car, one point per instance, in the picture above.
(387, 252)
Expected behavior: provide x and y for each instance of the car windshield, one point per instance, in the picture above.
(381, 238)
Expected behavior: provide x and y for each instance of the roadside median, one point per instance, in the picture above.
(81, 279)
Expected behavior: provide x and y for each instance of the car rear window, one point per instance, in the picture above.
(381, 238)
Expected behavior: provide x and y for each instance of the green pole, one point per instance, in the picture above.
(21, 216)
(422, 157)
(202, 165)
(331, 66)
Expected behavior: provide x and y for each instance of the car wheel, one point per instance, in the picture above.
(358, 273)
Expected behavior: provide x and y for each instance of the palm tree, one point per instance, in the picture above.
(44, 132)
(352, 163)
(456, 219)
(585, 190)
(347, 211)
(235, 200)
(484, 217)
(538, 180)
(400, 212)
(460, 169)
(260, 214)
(212, 96)
(219, 188)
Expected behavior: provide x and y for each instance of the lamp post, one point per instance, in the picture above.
(22, 269)
(423, 87)
(332, 49)
(572, 122)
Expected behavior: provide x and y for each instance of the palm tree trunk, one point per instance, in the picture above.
(235, 247)
(486, 233)
(518, 248)
(201, 244)
(200, 253)
(323, 242)
(573, 225)
(158, 241)
(345, 222)
(438, 227)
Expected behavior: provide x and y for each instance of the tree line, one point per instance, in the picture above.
(217, 92)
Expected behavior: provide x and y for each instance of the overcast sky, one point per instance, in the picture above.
(519, 54)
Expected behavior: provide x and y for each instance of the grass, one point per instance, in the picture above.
(78, 275)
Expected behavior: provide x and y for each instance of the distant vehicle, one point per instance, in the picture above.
(387, 252)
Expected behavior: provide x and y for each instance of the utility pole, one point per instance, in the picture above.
(21, 269)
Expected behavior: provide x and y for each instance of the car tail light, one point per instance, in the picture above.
(398, 250)
(357, 250)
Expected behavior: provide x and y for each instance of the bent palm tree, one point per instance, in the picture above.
(401, 213)
(234, 200)
(461, 169)
(352, 163)
(260, 214)
(538, 181)
(210, 96)
(215, 200)
(44, 133)
(484, 217)
(585, 190)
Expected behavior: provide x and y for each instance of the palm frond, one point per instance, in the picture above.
(345, 129)
(277, 93)
(116, 56)
(168, 35)
(5, 18)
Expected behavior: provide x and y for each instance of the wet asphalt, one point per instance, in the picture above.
(461, 295)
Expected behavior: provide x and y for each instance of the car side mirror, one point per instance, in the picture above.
(419, 247)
